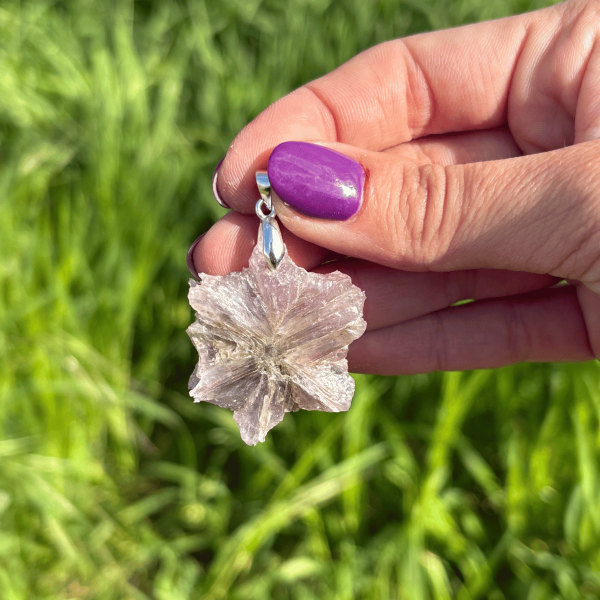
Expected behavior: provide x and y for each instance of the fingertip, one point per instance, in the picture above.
(215, 185)
(226, 246)
(236, 177)
(297, 116)
(190, 256)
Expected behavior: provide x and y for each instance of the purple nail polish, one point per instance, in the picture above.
(190, 257)
(316, 181)
(214, 186)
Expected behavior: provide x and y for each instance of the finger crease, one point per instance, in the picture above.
(333, 120)
(518, 339)
(511, 79)
(582, 81)
(439, 341)
(431, 108)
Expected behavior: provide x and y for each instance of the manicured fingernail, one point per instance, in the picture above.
(316, 181)
(190, 257)
(214, 185)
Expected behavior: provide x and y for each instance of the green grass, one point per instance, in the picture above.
(113, 484)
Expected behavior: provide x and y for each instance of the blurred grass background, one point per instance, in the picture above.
(113, 485)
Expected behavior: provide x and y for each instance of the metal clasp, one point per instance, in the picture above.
(273, 247)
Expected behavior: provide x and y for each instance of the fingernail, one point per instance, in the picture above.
(214, 185)
(316, 181)
(190, 257)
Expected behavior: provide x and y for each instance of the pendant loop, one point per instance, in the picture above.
(260, 207)
(273, 248)
(264, 187)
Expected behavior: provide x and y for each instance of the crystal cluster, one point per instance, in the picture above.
(272, 341)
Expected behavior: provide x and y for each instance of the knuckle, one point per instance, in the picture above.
(428, 200)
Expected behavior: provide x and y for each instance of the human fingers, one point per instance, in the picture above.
(227, 246)
(231, 241)
(458, 148)
(545, 326)
(557, 103)
(538, 213)
(394, 296)
(536, 73)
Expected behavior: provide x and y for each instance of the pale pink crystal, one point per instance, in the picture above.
(273, 341)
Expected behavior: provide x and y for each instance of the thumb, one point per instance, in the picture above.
(538, 213)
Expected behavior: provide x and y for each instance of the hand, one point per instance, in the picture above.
(481, 157)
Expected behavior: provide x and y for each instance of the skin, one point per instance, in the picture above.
(482, 155)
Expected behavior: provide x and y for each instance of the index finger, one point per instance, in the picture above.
(432, 83)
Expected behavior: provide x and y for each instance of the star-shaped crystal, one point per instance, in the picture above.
(272, 341)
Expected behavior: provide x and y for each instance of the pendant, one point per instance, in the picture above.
(273, 338)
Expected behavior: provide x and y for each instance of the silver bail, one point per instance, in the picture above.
(264, 187)
(273, 248)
